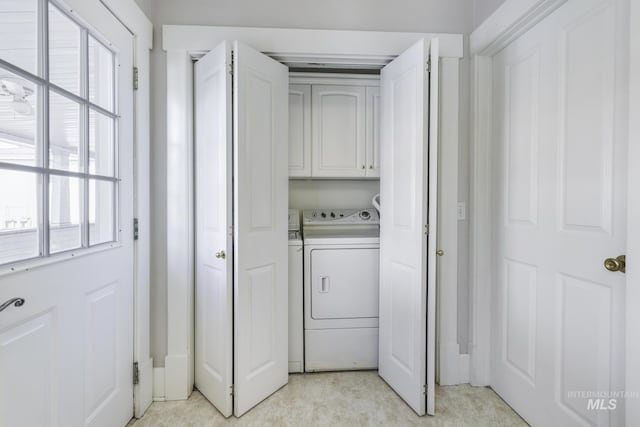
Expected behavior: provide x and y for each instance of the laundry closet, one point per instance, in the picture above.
(334, 170)
(340, 285)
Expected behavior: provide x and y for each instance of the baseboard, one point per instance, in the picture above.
(449, 365)
(295, 367)
(143, 391)
(176, 377)
(464, 367)
(158, 385)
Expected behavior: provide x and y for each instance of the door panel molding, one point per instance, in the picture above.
(484, 136)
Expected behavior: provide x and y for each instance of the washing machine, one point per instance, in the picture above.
(341, 288)
(296, 332)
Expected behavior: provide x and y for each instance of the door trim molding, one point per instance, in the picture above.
(184, 44)
(506, 24)
(632, 368)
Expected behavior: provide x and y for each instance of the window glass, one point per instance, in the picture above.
(100, 74)
(64, 133)
(65, 213)
(101, 144)
(58, 178)
(101, 212)
(18, 120)
(19, 33)
(19, 231)
(64, 51)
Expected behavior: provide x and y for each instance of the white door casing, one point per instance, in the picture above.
(407, 288)
(183, 44)
(66, 355)
(260, 227)
(560, 180)
(214, 228)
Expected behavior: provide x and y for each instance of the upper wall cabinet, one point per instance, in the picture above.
(338, 123)
(334, 129)
(299, 130)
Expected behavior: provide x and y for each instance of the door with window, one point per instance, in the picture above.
(66, 214)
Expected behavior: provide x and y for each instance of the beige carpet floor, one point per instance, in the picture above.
(340, 399)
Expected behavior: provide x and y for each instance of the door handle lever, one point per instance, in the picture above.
(17, 302)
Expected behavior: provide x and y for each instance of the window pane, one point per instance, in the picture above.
(101, 144)
(100, 75)
(64, 51)
(101, 212)
(19, 33)
(64, 133)
(19, 234)
(18, 115)
(65, 213)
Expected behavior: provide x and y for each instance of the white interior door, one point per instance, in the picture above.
(260, 226)
(214, 228)
(66, 354)
(560, 108)
(407, 252)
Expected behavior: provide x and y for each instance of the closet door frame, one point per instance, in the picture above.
(183, 45)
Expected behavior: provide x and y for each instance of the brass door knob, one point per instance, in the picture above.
(440, 252)
(616, 264)
(221, 255)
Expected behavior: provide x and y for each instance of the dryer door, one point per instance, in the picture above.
(341, 292)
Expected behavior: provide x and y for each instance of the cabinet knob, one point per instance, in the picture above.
(363, 167)
(370, 166)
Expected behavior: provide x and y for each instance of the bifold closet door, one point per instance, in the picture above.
(261, 87)
(408, 188)
(213, 226)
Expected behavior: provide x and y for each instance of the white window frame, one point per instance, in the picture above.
(43, 171)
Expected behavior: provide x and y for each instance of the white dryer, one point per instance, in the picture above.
(341, 288)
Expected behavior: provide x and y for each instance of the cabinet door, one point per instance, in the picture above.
(299, 130)
(338, 128)
(373, 132)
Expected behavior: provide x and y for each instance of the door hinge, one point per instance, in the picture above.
(136, 374)
(135, 228)
(135, 78)
(231, 64)
(424, 389)
(231, 390)
(426, 229)
(428, 66)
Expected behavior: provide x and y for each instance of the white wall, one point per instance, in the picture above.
(451, 16)
(340, 194)
(482, 9)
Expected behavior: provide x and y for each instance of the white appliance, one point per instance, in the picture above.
(296, 338)
(341, 288)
